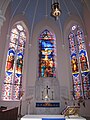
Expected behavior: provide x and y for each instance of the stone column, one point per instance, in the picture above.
(3, 7)
(2, 19)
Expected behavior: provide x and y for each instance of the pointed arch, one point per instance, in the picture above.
(79, 63)
(47, 54)
(12, 84)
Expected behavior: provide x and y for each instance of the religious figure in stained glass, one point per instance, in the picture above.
(47, 63)
(74, 64)
(14, 63)
(47, 55)
(19, 64)
(10, 62)
(83, 61)
(79, 64)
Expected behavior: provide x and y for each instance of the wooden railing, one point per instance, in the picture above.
(9, 114)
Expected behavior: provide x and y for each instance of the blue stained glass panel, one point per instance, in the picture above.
(47, 54)
(79, 64)
(14, 64)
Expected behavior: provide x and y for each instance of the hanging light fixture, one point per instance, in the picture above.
(56, 12)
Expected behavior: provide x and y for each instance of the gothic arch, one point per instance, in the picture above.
(24, 31)
(80, 73)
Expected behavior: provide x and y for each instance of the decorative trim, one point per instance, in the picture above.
(47, 104)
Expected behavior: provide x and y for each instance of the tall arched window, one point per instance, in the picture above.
(79, 63)
(47, 54)
(12, 83)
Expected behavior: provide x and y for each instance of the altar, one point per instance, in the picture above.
(47, 96)
(51, 117)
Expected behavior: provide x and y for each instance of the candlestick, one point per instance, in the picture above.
(52, 95)
(42, 95)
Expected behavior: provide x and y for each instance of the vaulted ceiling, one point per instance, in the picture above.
(37, 10)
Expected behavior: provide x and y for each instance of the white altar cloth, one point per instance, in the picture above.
(39, 117)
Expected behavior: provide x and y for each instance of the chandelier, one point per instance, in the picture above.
(55, 9)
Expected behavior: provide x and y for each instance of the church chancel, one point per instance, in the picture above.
(47, 102)
(45, 59)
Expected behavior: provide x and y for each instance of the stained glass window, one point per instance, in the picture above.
(14, 63)
(79, 63)
(47, 54)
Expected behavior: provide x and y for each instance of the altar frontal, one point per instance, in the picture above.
(51, 117)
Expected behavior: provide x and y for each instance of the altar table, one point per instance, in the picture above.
(51, 117)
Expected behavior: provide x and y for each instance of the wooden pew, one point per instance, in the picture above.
(9, 114)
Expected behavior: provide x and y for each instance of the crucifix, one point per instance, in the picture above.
(47, 89)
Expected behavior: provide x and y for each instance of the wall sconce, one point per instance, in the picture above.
(55, 12)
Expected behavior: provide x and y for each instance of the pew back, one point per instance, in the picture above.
(9, 114)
